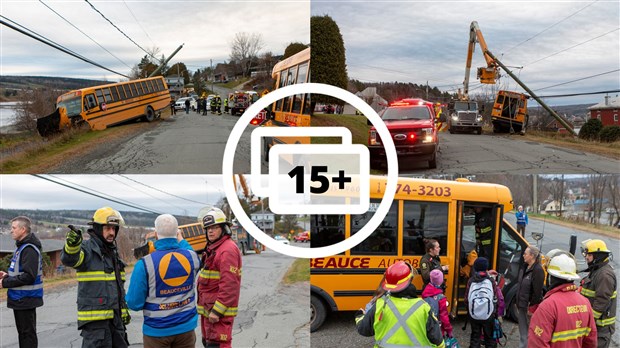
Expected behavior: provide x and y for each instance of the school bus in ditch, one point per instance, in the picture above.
(422, 209)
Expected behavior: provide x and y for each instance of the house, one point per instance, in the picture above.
(606, 111)
(52, 247)
(176, 84)
(370, 96)
(265, 221)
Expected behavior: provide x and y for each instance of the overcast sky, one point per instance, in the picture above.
(206, 28)
(421, 41)
(30, 192)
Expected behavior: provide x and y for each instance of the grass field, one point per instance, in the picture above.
(298, 272)
(355, 123)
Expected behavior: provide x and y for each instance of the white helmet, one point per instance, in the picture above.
(563, 266)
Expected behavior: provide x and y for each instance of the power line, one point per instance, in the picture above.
(553, 25)
(137, 21)
(53, 44)
(148, 194)
(96, 195)
(117, 28)
(579, 44)
(78, 29)
(580, 79)
(578, 94)
(156, 189)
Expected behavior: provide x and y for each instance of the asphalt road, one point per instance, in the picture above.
(490, 153)
(339, 329)
(270, 314)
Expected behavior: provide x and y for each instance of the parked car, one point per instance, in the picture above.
(180, 103)
(412, 127)
(302, 237)
(281, 239)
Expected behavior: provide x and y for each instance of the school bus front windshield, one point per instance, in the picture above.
(446, 211)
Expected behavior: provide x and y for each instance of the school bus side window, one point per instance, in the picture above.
(383, 240)
(424, 220)
(326, 230)
(90, 102)
(99, 94)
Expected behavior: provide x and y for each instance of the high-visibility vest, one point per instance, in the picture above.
(34, 290)
(171, 298)
(401, 322)
(520, 218)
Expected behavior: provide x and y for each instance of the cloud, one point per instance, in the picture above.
(422, 41)
(206, 28)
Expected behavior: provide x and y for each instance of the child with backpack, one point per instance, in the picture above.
(484, 302)
(433, 295)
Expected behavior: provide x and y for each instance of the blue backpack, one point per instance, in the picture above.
(433, 301)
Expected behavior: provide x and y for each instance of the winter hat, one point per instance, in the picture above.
(481, 264)
(436, 277)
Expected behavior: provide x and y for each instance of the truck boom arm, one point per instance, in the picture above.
(486, 75)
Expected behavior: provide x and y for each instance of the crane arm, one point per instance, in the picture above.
(486, 75)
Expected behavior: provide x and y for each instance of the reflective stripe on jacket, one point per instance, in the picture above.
(98, 286)
(219, 282)
(563, 319)
(401, 322)
(521, 218)
(171, 300)
(36, 289)
(600, 287)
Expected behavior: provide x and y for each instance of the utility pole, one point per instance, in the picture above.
(535, 192)
(154, 73)
(212, 75)
(426, 89)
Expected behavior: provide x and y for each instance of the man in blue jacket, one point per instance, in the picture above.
(521, 220)
(162, 286)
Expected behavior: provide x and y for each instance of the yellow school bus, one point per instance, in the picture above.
(422, 209)
(509, 112)
(295, 110)
(107, 105)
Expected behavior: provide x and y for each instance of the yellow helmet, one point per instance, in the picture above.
(593, 246)
(563, 266)
(108, 216)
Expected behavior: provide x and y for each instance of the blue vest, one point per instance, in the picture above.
(34, 290)
(521, 218)
(171, 298)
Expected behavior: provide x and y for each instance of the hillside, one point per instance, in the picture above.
(33, 82)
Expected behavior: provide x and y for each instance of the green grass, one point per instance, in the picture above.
(234, 83)
(355, 123)
(298, 272)
(9, 141)
(600, 229)
(41, 152)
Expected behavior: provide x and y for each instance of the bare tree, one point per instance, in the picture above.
(598, 185)
(37, 103)
(613, 196)
(244, 48)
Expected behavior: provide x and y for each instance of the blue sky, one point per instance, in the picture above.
(206, 28)
(419, 41)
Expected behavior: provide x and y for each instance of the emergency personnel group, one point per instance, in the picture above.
(162, 283)
(566, 316)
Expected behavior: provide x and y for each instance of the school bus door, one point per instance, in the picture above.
(466, 242)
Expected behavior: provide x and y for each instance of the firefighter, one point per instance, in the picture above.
(226, 105)
(484, 232)
(600, 287)
(102, 311)
(431, 260)
(564, 317)
(219, 282)
(438, 123)
(218, 104)
(398, 318)
(213, 106)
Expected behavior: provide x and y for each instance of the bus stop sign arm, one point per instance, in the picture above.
(533, 95)
(154, 73)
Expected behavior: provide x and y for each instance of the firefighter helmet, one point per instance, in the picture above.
(563, 266)
(593, 246)
(212, 216)
(398, 276)
(107, 216)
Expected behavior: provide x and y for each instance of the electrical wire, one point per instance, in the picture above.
(566, 49)
(51, 43)
(580, 79)
(137, 21)
(128, 204)
(117, 28)
(78, 29)
(146, 193)
(578, 94)
(156, 189)
(553, 25)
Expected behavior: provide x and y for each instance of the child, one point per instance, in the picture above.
(434, 293)
(485, 302)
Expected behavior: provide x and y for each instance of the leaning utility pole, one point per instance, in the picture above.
(165, 62)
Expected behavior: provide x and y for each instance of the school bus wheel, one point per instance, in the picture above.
(150, 114)
(318, 313)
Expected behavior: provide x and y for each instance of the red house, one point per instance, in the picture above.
(607, 111)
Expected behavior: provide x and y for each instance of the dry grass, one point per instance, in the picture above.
(611, 150)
